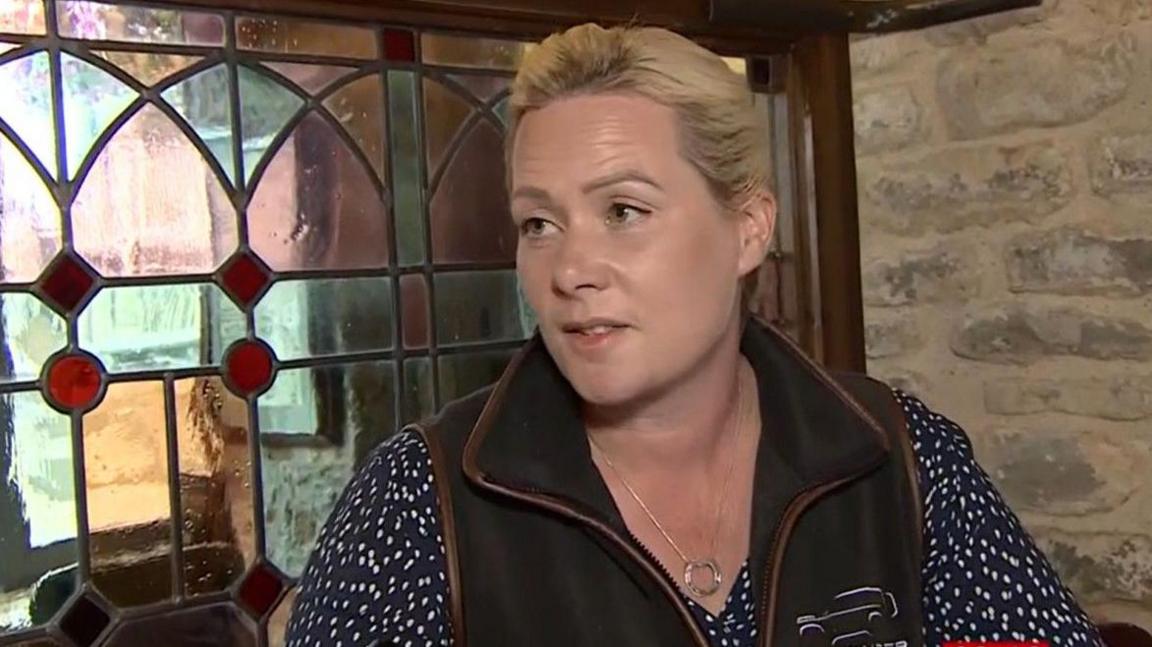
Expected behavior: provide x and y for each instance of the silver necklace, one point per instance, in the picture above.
(694, 569)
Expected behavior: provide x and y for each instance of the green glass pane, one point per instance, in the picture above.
(128, 23)
(155, 327)
(38, 506)
(407, 183)
(204, 103)
(417, 389)
(478, 306)
(501, 110)
(359, 107)
(29, 218)
(301, 483)
(92, 99)
(463, 373)
(319, 317)
(27, 106)
(265, 108)
(32, 332)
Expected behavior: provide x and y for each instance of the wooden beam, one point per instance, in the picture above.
(859, 16)
(827, 89)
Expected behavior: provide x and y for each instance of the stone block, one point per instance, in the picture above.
(1069, 261)
(1121, 163)
(1016, 334)
(943, 273)
(952, 189)
(1126, 397)
(1062, 472)
(1040, 83)
(887, 119)
(1101, 566)
(891, 336)
(977, 30)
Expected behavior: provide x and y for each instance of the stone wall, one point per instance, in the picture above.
(1005, 184)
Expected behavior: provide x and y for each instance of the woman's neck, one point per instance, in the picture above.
(687, 424)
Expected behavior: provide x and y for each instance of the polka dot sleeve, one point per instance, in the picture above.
(984, 577)
(376, 576)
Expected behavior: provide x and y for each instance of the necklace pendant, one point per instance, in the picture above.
(703, 577)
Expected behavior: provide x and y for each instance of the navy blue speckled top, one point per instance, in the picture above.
(378, 570)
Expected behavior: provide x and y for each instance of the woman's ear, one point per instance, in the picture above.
(757, 226)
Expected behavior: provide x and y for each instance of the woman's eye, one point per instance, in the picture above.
(622, 214)
(535, 227)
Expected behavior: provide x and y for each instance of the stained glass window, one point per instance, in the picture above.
(237, 252)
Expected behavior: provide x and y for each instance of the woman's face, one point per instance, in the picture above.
(630, 263)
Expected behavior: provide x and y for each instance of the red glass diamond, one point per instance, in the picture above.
(260, 590)
(399, 45)
(83, 622)
(249, 366)
(66, 282)
(74, 381)
(244, 278)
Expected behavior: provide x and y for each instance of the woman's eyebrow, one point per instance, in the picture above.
(626, 175)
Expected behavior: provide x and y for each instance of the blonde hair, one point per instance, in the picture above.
(723, 135)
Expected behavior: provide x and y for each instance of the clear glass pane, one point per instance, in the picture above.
(407, 180)
(501, 110)
(464, 51)
(303, 481)
(22, 17)
(359, 107)
(31, 331)
(414, 305)
(310, 78)
(265, 108)
(478, 306)
(444, 114)
(417, 389)
(463, 373)
(176, 218)
(315, 206)
(317, 317)
(470, 217)
(38, 505)
(27, 108)
(92, 99)
(483, 86)
(215, 485)
(290, 36)
(29, 218)
(129, 23)
(204, 102)
(157, 327)
(148, 68)
(7, 47)
(126, 459)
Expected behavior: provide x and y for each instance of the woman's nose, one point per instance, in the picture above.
(580, 265)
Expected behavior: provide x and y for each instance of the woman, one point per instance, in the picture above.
(654, 467)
